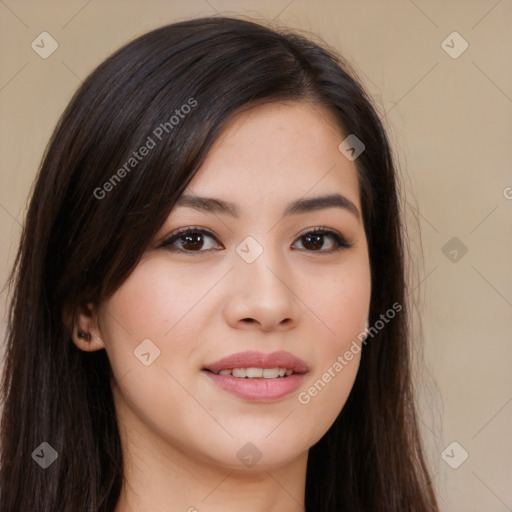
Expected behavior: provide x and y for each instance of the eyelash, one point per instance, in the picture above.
(342, 243)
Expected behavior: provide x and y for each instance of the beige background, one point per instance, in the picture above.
(450, 124)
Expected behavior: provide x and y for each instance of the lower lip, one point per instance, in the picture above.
(258, 390)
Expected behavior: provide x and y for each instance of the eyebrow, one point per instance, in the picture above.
(218, 206)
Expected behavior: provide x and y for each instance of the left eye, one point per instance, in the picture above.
(315, 239)
(191, 240)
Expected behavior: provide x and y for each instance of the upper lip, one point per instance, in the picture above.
(254, 359)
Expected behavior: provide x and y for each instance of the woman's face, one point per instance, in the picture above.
(249, 281)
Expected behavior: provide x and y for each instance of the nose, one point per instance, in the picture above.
(261, 294)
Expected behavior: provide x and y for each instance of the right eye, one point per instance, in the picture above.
(188, 240)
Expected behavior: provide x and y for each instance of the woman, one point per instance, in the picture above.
(208, 303)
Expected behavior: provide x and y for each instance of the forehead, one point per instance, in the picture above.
(277, 151)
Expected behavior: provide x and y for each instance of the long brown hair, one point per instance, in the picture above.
(82, 238)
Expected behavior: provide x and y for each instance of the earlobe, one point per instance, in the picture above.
(85, 341)
(85, 333)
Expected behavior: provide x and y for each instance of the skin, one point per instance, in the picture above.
(181, 433)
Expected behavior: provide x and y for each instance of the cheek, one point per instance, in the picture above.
(152, 300)
(157, 301)
(340, 299)
(148, 336)
(337, 362)
(145, 321)
(342, 304)
(329, 387)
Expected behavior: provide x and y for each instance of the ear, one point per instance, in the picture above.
(84, 329)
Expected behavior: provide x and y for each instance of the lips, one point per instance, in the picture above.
(254, 359)
(224, 375)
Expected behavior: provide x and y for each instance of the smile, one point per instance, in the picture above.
(257, 373)
(256, 376)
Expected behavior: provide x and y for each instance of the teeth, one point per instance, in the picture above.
(238, 372)
(257, 373)
(254, 373)
(270, 373)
